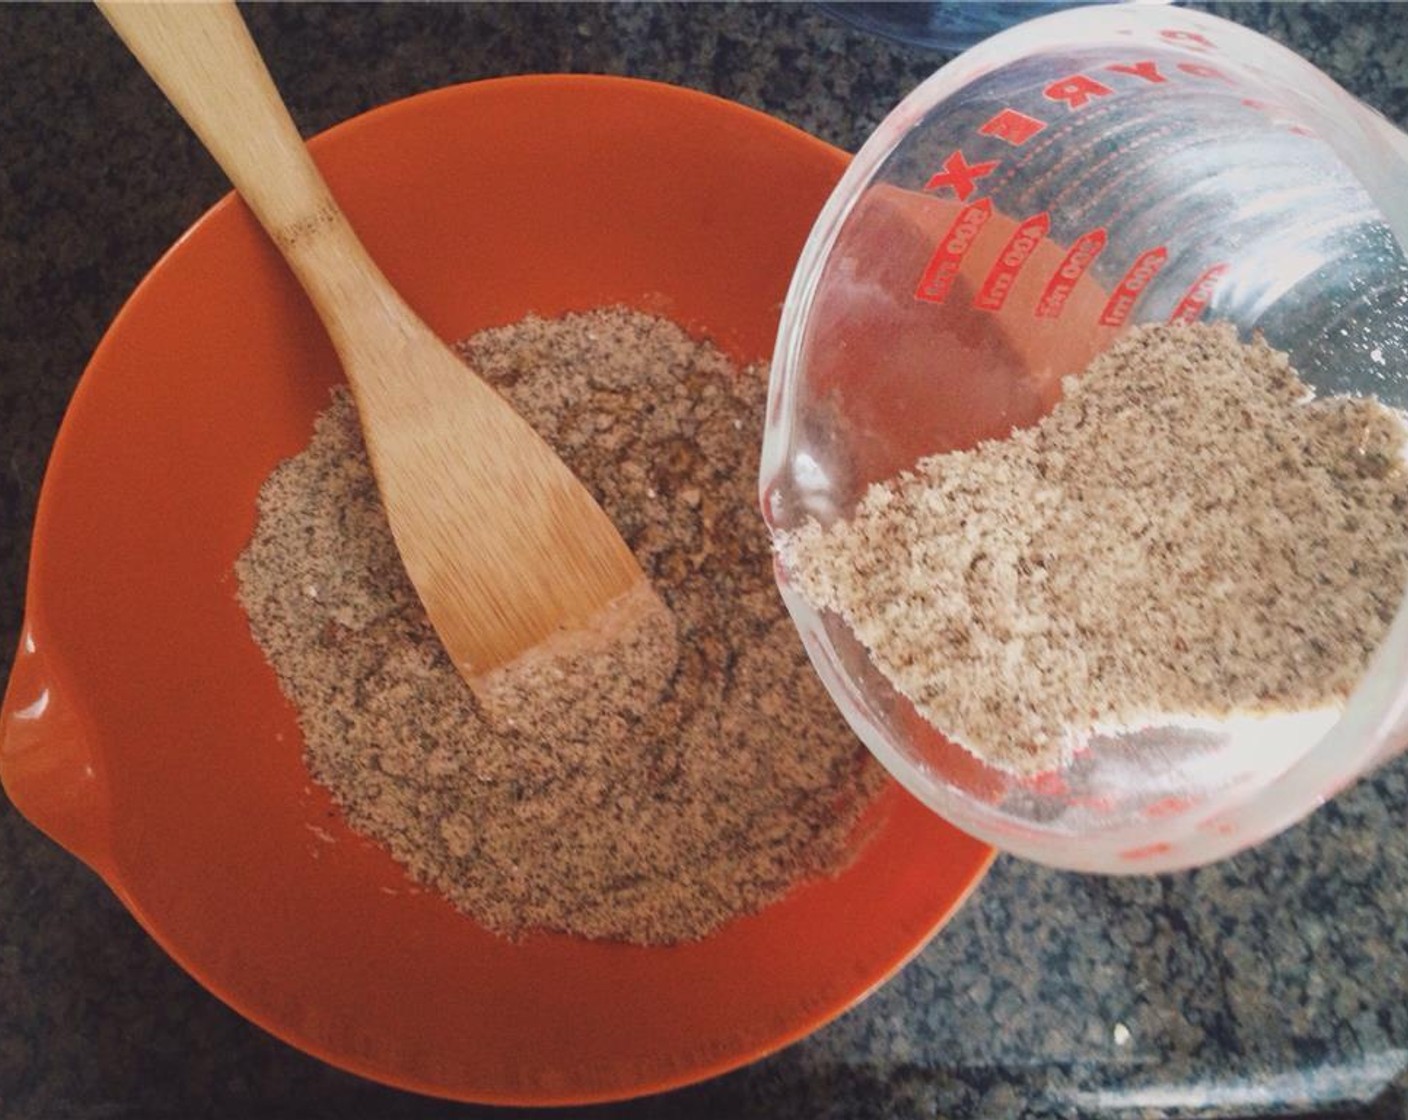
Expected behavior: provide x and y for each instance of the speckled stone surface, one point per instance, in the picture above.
(1274, 984)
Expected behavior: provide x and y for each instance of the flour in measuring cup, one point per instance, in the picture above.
(1186, 538)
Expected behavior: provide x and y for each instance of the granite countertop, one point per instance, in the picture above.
(1273, 984)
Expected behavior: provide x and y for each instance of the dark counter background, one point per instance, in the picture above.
(1273, 984)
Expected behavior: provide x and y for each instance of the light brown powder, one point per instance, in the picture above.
(614, 667)
(636, 814)
(1186, 533)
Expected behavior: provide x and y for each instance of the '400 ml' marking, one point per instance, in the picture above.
(1199, 295)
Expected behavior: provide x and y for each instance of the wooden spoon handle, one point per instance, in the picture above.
(504, 545)
(202, 57)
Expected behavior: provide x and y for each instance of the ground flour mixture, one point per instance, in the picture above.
(651, 826)
(1185, 533)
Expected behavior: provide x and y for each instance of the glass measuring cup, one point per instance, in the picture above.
(1022, 208)
(946, 25)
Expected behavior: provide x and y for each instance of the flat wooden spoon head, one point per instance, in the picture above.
(508, 551)
(505, 546)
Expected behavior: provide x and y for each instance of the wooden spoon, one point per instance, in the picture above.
(506, 548)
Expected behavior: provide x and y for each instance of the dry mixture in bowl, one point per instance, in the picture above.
(734, 785)
(1187, 534)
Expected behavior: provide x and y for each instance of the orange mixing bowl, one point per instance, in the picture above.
(144, 732)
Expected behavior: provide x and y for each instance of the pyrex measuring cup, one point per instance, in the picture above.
(1021, 209)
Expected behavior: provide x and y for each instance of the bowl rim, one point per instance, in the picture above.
(691, 1072)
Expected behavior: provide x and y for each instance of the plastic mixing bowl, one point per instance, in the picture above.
(1018, 212)
(143, 730)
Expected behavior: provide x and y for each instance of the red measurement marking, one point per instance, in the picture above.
(1147, 852)
(943, 266)
(961, 175)
(1049, 783)
(1014, 127)
(1203, 70)
(1169, 807)
(1188, 39)
(1124, 298)
(1076, 90)
(1146, 70)
(1078, 258)
(998, 285)
(1278, 114)
(1195, 300)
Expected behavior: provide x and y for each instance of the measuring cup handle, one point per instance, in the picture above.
(47, 764)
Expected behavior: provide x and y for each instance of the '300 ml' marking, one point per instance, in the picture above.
(1139, 276)
(1078, 258)
(1014, 255)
